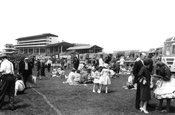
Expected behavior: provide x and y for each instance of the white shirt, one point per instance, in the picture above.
(101, 62)
(49, 62)
(130, 79)
(7, 67)
(26, 65)
(19, 85)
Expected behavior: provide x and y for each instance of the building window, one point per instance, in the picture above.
(25, 51)
(36, 51)
(42, 50)
(30, 51)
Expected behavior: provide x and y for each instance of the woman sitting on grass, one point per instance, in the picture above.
(70, 77)
(19, 85)
(77, 78)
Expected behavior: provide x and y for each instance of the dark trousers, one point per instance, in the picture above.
(137, 101)
(25, 77)
(48, 67)
(7, 87)
(76, 66)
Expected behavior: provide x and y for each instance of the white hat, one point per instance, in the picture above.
(144, 54)
(26, 58)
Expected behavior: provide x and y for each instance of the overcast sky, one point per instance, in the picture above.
(111, 24)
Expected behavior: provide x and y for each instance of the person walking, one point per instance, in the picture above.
(76, 63)
(136, 69)
(8, 81)
(49, 62)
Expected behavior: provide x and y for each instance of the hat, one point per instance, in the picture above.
(3, 55)
(144, 54)
(160, 64)
(146, 61)
(26, 58)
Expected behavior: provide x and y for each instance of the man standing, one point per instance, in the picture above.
(76, 62)
(25, 70)
(137, 66)
(49, 62)
(8, 81)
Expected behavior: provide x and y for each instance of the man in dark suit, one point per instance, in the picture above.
(25, 69)
(136, 69)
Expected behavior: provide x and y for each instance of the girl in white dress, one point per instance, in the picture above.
(105, 78)
(96, 80)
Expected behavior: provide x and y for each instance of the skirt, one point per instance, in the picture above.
(96, 80)
(105, 80)
(165, 89)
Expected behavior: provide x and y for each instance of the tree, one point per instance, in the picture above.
(9, 46)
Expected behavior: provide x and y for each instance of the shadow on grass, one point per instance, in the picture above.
(33, 87)
(21, 106)
(153, 108)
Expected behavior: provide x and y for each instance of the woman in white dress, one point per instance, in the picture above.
(70, 77)
(165, 86)
(19, 85)
(105, 78)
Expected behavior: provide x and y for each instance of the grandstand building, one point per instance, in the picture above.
(35, 45)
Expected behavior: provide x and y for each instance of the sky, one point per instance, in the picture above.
(111, 24)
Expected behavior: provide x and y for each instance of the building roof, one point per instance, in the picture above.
(81, 47)
(12, 49)
(38, 36)
(61, 44)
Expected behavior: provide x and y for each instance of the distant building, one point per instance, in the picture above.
(58, 48)
(10, 49)
(35, 45)
(86, 49)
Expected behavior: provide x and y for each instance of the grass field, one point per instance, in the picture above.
(77, 100)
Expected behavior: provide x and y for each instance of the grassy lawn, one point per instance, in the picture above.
(78, 100)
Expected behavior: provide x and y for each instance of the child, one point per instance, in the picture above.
(96, 80)
(105, 78)
(60, 72)
(54, 73)
(130, 83)
(91, 75)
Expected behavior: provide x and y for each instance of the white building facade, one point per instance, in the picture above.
(35, 44)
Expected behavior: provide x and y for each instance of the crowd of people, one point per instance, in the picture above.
(152, 76)
(147, 75)
(15, 73)
(97, 71)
